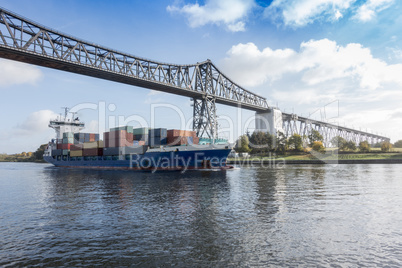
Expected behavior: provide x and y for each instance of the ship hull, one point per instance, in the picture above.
(150, 161)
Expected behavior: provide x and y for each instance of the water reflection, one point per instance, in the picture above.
(291, 216)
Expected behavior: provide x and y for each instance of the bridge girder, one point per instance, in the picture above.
(293, 124)
(26, 41)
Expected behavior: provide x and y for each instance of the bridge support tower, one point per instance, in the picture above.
(270, 121)
(204, 117)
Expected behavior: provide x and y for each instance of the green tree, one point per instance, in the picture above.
(386, 146)
(242, 145)
(318, 147)
(364, 147)
(295, 143)
(398, 144)
(338, 141)
(261, 142)
(281, 143)
(377, 145)
(350, 145)
(314, 136)
(38, 154)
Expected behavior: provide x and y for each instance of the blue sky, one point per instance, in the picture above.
(301, 55)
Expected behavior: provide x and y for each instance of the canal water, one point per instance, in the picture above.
(294, 215)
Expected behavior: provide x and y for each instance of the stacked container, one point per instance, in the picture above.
(157, 137)
(141, 134)
(85, 137)
(181, 137)
(118, 138)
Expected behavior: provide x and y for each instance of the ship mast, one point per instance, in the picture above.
(62, 125)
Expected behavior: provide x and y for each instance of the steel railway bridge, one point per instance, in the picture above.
(24, 40)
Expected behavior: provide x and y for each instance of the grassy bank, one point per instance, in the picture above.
(330, 155)
(17, 158)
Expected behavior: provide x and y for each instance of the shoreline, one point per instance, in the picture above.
(282, 161)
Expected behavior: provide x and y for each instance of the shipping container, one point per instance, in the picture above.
(175, 133)
(68, 140)
(157, 132)
(117, 143)
(65, 152)
(124, 150)
(141, 137)
(178, 140)
(87, 137)
(157, 141)
(140, 131)
(129, 129)
(90, 145)
(142, 143)
(76, 147)
(57, 152)
(118, 134)
(79, 138)
(92, 152)
(93, 144)
(154, 143)
(64, 146)
(179, 132)
(75, 153)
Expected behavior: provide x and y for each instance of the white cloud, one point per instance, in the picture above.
(28, 135)
(320, 71)
(368, 10)
(299, 13)
(302, 12)
(35, 123)
(92, 127)
(317, 62)
(15, 73)
(231, 13)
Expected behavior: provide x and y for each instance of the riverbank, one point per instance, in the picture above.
(22, 159)
(329, 158)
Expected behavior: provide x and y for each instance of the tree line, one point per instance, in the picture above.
(263, 142)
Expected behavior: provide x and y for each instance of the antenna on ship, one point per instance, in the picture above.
(73, 115)
(65, 112)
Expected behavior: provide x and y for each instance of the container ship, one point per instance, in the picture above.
(131, 148)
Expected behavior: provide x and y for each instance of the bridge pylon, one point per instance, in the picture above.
(204, 117)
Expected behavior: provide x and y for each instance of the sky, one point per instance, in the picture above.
(334, 60)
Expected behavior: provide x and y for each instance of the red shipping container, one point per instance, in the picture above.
(175, 132)
(91, 136)
(76, 147)
(178, 132)
(177, 140)
(118, 134)
(65, 146)
(196, 140)
(190, 133)
(92, 152)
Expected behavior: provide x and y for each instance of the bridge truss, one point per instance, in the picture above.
(26, 41)
(293, 124)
